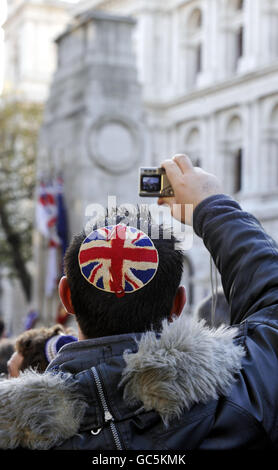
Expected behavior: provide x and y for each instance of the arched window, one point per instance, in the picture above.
(239, 43)
(233, 166)
(238, 171)
(239, 4)
(235, 34)
(193, 145)
(194, 42)
(234, 128)
(195, 20)
(235, 5)
(198, 59)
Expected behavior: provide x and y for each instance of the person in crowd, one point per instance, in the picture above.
(36, 348)
(2, 329)
(143, 374)
(6, 350)
(214, 309)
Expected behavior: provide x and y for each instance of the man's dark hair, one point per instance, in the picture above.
(101, 313)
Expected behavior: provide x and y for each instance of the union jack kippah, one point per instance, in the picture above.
(118, 259)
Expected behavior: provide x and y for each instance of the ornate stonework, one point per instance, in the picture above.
(193, 76)
(115, 144)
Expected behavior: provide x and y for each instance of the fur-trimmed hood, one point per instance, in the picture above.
(186, 364)
(37, 411)
(189, 363)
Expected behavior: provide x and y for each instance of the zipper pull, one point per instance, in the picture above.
(108, 416)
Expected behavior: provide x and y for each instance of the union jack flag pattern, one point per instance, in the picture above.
(118, 259)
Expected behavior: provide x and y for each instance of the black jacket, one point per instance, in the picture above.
(189, 387)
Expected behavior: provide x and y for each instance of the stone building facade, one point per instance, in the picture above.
(30, 53)
(207, 85)
(93, 131)
(209, 74)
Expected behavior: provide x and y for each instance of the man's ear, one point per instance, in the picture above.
(179, 303)
(65, 295)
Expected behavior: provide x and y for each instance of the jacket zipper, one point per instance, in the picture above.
(108, 418)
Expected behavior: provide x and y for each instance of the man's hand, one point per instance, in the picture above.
(191, 186)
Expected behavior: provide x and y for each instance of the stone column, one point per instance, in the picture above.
(147, 51)
(247, 167)
(176, 53)
(211, 151)
(222, 166)
(94, 126)
(264, 165)
(273, 164)
(253, 154)
(273, 33)
(214, 40)
(269, 31)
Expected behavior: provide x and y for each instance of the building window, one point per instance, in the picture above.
(198, 59)
(194, 47)
(234, 35)
(235, 5)
(196, 19)
(238, 171)
(239, 41)
(234, 154)
(192, 144)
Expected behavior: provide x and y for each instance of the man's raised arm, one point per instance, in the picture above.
(246, 257)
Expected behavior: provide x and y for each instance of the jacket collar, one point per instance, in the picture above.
(91, 352)
(187, 364)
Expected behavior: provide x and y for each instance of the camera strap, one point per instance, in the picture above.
(214, 289)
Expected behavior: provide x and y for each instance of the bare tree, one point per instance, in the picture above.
(19, 127)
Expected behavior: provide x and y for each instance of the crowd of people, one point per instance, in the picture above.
(36, 347)
(140, 374)
(33, 349)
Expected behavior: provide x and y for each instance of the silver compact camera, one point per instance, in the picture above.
(153, 182)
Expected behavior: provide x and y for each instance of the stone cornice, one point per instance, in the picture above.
(211, 90)
(82, 19)
(64, 6)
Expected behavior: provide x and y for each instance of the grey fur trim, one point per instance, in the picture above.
(190, 363)
(38, 411)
